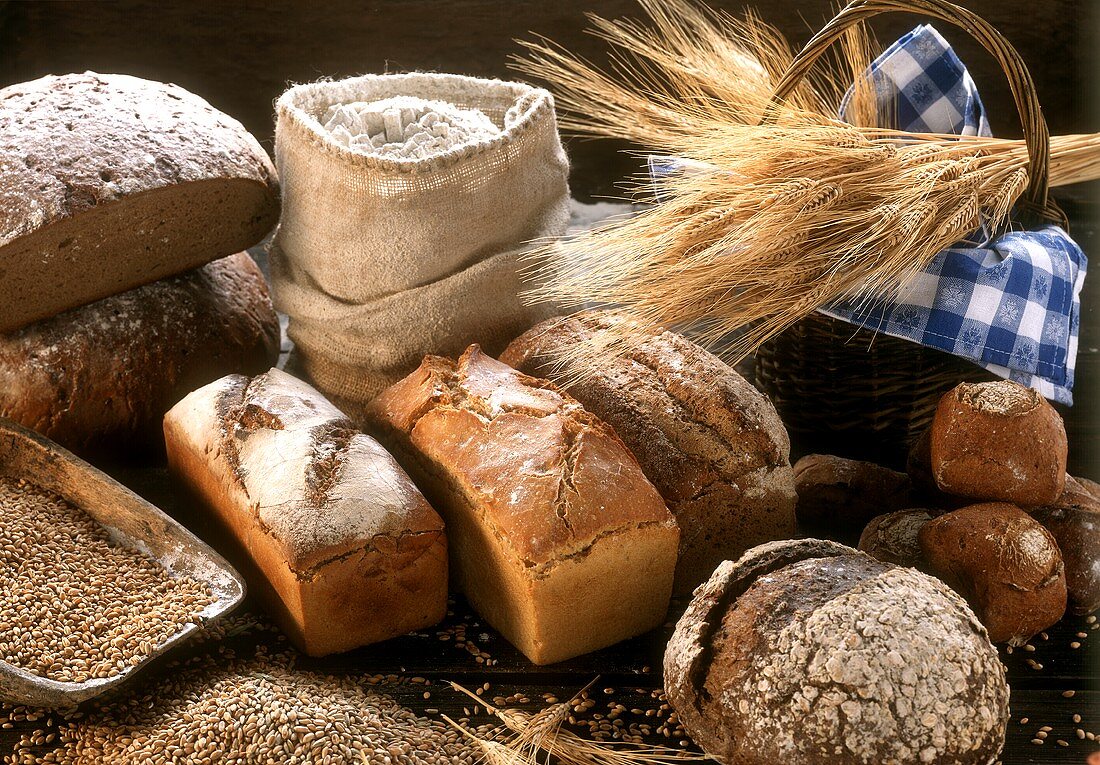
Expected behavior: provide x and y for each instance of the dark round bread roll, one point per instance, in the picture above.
(1074, 521)
(999, 441)
(892, 538)
(808, 652)
(919, 467)
(1004, 563)
(102, 376)
(837, 497)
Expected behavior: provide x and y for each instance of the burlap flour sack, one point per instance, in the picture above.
(380, 260)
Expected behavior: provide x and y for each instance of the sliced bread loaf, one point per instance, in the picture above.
(108, 182)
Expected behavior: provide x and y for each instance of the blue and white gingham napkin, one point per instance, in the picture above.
(1011, 304)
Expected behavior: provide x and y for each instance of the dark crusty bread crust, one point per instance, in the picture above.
(840, 496)
(999, 441)
(1074, 520)
(809, 652)
(108, 182)
(1004, 563)
(103, 375)
(893, 537)
(342, 547)
(711, 443)
(926, 492)
(556, 537)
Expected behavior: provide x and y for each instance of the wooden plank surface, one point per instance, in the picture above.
(632, 670)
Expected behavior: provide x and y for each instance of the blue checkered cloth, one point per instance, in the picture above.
(1010, 304)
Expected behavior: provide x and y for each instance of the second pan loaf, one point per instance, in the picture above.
(711, 443)
(556, 536)
(348, 550)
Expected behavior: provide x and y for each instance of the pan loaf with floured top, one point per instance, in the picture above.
(347, 550)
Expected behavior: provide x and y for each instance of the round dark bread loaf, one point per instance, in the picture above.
(1074, 521)
(102, 376)
(712, 444)
(108, 182)
(998, 441)
(893, 537)
(1004, 563)
(808, 652)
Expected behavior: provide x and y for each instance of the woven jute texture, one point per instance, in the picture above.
(378, 261)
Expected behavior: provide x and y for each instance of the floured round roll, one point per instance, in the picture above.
(102, 376)
(999, 441)
(808, 652)
(108, 182)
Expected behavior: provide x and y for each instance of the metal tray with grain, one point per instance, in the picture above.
(133, 523)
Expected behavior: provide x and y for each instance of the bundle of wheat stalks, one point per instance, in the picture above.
(778, 219)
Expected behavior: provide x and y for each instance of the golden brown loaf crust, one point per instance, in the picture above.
(101, 377)
(108, 182)
(1004, 563)
(556, 536)
(711, 443)
(807, 652)
(999, 441)
(349, 550)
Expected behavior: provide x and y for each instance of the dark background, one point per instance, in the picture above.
(241, 56)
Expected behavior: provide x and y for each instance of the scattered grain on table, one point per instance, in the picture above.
(257, 710)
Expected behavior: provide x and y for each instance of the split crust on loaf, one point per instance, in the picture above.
(545, 521)
(318, 447)
(804, 652)
(346, 549)
(711, 443)
(556, 537)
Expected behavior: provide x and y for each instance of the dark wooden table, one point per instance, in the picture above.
(629, 674)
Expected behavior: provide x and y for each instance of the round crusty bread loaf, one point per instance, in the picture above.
(711, 443)
(103, 375)
(1004, 562)
(108, 182)
(808, 652)
(999, 441)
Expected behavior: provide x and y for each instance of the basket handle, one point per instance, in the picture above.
(1036, 198)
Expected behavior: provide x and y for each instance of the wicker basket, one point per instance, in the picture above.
(848, 391)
